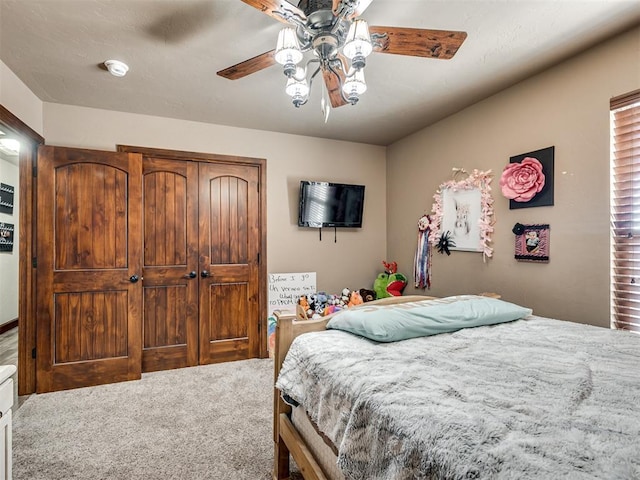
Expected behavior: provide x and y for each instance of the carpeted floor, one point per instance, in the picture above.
(207, 422)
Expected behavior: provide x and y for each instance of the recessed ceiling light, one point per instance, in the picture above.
(116, 68)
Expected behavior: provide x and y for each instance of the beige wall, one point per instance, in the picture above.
(16, 97)
(567, 106)
(21, 102)
(351, 262)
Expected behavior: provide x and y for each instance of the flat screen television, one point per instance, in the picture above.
(324, 204)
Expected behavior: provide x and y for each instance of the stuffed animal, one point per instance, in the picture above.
(367, 295)
(331, 309)
(332, 299)
(390, 283)
(344, 297)
(395, 284)
(380, 285)
(319, 302)
(390, 267)
(304, 303)
(354, 299)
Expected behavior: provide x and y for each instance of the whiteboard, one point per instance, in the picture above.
(286, 288)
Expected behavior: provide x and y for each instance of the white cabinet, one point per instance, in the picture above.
(6, 402)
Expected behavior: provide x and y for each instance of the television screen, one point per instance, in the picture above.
(324, 204)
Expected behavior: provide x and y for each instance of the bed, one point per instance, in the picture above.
(527, 398)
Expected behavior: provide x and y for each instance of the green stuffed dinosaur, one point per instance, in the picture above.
(390, 283)
(380, 285)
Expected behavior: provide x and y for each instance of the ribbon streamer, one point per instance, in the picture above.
(422, 261)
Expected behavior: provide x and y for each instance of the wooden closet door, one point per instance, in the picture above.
(229, 229)
(170, 299)
(89, 263)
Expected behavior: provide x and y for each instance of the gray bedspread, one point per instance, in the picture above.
(532, 399)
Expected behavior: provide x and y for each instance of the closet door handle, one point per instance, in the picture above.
(190, 275)
(134, 278)
(205, 274)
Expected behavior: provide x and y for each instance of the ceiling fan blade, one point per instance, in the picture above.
(333, 82)
(253, 65)
(362, 6)
(271, 7)
(418, 42)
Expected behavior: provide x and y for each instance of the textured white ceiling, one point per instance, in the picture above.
(175, 47)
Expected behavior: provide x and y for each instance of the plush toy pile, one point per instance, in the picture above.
(387, 284)
(321, 304)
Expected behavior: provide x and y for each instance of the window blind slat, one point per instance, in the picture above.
(626, 115)
(626, 133)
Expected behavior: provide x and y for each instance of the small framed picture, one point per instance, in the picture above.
(532, 244)
(6, 198)
(6, 237)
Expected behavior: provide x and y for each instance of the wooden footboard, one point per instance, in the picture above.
(287, 440)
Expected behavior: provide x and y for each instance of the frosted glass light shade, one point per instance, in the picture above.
(354, 84)
(296, 87)
(358, 41)
(288, 48)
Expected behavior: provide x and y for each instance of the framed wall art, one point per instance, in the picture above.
(527, 181)
(6, 237)
(532, 243)
(461, 212)
(464, 214)
(6, 198)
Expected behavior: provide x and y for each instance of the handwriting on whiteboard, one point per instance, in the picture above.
(286, 288)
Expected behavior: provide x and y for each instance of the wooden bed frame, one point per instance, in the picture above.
(287, 440)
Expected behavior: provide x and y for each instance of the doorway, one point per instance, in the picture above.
(28, 140)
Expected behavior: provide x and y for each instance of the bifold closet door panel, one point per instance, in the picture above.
(170, 298)
(229, 232)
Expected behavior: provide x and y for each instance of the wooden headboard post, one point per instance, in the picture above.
(287, 328)
(281, 453)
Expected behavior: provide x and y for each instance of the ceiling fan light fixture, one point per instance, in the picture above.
(288, 48)
(338, 41)
(358, 41)
(298, 90)
(116, 68)
(354, 86)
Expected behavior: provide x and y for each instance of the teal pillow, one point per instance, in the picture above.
(390, 323)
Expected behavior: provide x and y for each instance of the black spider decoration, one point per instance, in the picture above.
(445, 243)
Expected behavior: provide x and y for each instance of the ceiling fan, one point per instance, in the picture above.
(340, 42)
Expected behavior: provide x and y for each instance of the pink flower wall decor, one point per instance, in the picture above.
(521, 182)
(527, 181)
